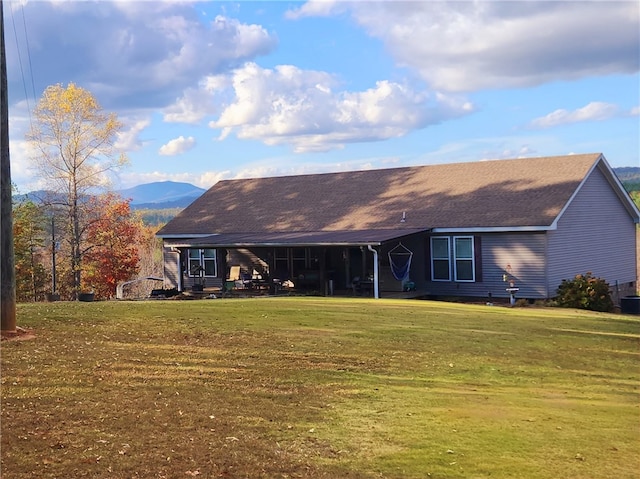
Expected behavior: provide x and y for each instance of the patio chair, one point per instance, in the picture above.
(236, 279)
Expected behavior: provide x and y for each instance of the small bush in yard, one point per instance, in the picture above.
(585, 291)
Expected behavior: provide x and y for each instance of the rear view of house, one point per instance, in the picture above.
(465, 229)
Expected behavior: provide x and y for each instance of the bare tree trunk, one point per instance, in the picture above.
(7, 259)
(76, 248)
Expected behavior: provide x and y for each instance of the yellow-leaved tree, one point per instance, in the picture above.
(74, 144)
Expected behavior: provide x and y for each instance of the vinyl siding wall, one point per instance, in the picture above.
(171, 270)
(523, 252)
(594, 234)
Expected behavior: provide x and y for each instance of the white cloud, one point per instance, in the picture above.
(177, 146)
(192, 107)
(315, 8)
(300, 108)
(467, 46)
(22, 172)
(594, 111)
(210, 178)
(129, 138)
(247, 40)
(197, 103)
(132, 55)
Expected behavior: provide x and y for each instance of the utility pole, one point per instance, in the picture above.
(7, 260)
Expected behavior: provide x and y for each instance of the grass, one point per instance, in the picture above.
(319, 388)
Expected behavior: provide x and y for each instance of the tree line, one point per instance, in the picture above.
(81, 237)
(116, 245)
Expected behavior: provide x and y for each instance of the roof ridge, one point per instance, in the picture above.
(408, 167)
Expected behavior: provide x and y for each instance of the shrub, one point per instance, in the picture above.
(585, 291)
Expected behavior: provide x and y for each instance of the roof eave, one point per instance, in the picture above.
(496, 229)
(292, 239)
(620, 190)
(276, 244)
(616, 185)
(169, 236)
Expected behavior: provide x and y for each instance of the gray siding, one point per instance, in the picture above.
(171, 269)
(594, 234)
(523, 252)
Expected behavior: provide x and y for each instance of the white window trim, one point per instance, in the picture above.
(433, 258)
(472, 259)
(201, 260)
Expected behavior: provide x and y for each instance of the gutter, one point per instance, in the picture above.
(376, 294)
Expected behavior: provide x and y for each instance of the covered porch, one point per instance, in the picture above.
(323, 263)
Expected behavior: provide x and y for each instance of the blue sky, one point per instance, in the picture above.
(218, 90)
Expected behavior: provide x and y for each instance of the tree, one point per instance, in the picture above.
(635, 196)
(74, 139)
(151, 261)
(112, 251)
(29, 231)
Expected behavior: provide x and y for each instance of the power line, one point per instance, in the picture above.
(24, 83)
(26, 37)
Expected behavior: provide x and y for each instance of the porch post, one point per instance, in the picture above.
(223, 269)
(347, 266)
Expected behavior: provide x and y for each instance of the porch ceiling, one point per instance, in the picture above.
(374, 237)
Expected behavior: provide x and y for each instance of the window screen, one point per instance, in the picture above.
(440, 269)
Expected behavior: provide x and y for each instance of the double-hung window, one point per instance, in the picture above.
(202, 261)
(440, 263)
(453, 257)
(463, 258)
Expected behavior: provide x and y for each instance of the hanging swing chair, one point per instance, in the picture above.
(400, 261)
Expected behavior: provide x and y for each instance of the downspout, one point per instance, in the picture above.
(178, 251)
(375, 271)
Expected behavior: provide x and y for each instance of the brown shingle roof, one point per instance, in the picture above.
(516, 193)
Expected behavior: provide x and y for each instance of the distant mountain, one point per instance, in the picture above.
(155, 196)
(37, 196)
(161, 195)
(628, 173)
(629, 176)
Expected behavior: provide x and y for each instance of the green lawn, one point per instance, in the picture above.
(320, 388)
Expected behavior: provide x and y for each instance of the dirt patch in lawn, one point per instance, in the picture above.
(20, 334)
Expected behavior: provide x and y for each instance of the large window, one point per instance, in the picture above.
(299, 257)
(281, 259)
(440, 265)
(294, 261)
(202, 260)
(453, 257)
(463, 258)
